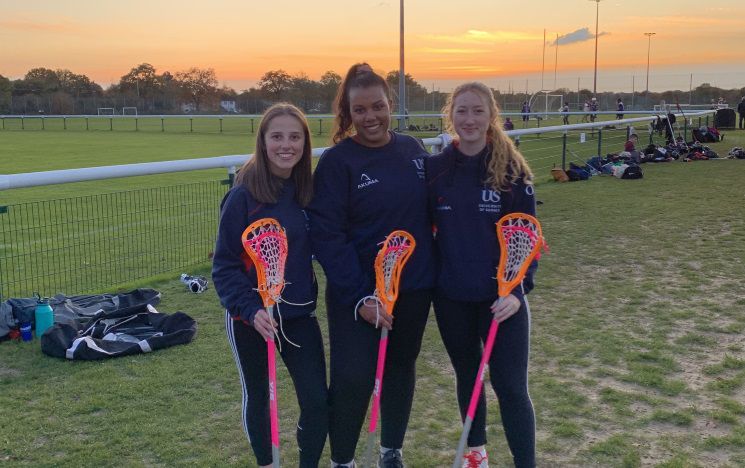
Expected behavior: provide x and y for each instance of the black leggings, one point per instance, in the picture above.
(464, 326)
(307, 367)
(354, 353)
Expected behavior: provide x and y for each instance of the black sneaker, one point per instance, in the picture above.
(391, 459)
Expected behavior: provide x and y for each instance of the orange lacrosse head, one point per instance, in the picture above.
(265, 242)
(389, 263)
(520, 240)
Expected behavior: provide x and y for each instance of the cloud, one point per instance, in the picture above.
(474, 36)
(580, 35)
(724, 21)
(26, 25)
(450, 50)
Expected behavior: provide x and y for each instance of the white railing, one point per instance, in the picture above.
(532, 113)
(34, 179)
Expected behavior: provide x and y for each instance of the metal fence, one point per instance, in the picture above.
(84, 244)
(248, 124)
(90, 243)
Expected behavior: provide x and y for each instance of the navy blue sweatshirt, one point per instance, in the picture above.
(362, 194)
(465, 211)
(233, 272)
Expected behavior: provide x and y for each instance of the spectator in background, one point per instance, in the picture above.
(508, 125)
(586, 110)
(741, 111)
(526, 111)
(619, 109)
(593, 109)
(565, 114)
(630, 147)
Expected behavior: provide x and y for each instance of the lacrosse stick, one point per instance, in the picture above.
(389, 263)
(265, 242)
(520, 241)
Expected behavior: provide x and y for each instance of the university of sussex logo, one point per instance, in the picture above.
(366, 181)
(491, 201)
(419, 165)
(490, 196)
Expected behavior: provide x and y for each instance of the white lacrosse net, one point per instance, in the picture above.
(520, 236)
(270, 245)
(397, 247)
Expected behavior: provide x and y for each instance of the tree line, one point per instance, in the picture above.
(196, 90)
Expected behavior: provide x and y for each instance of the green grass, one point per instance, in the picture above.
(636, 357)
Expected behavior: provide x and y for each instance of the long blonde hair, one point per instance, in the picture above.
(506, 164)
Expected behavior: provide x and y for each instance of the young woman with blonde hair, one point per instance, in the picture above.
(471, 184)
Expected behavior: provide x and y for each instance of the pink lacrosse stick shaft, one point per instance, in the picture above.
(382, 347)
(273, 413)
(476, 393)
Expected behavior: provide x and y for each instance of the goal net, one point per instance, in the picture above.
(105, 111)
(129, 111)
(543, 103)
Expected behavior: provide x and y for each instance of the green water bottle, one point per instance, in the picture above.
(43, 315)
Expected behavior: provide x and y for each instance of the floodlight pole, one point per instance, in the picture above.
(401, 76)
(649, 47)
(597, 16)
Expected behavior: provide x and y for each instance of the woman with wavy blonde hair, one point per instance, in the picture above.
(471, 184)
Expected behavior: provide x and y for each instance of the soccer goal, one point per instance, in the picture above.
(105, 111)
(129, 111)
(542, 103)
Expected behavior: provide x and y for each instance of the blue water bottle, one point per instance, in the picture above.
(43, 315)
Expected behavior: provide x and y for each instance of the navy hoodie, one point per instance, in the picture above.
(232, 270)
(465, 211)
(362, 194)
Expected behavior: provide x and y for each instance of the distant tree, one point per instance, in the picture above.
(329, 84)
(304, 93)
(275, 83)
(227, 94)
(168, 92)
(197, 85)
(415, 93)
(142, 80)
(75, 84)
(40, 80)
(251, 101)
(6, 89)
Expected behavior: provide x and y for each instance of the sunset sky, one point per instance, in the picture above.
(499, 42)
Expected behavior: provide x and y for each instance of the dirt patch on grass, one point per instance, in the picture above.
(8, 373)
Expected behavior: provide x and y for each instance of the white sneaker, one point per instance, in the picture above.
(476, 459)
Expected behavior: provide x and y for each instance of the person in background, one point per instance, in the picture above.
(586, 110)
(741, 112)
(471, 184)
(565, 114)
(593, 109)
(370, 183)
(630, 147)
(508, 125)
(275, 183)
(619, 109)
(526, 111)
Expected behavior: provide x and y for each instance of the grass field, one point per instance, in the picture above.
(638, 347)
